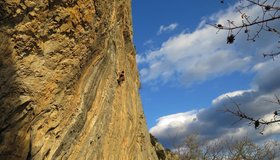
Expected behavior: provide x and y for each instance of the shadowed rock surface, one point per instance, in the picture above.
(60, 61)
(162, 153)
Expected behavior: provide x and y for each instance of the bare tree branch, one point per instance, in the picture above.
(257, 122)
(253, 25)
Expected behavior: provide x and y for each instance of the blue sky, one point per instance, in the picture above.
(170, 98)
(187, 69)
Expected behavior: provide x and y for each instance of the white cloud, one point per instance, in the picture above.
(174, 127)
(226, 96)
(167, 28)
(212, 125)
(148, 42)
(193, 58)
(258, 66)
(203, 54)
(178, 120)
(139, 59)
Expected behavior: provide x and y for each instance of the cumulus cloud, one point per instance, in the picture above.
(167, 28)
(240, 93)
(139, 59)
(212, 124)
(203, 54)
(193, 58)
(172, 129)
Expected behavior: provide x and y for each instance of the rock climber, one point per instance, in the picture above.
(121, 78)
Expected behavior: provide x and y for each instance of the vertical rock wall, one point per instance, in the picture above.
(60, 61)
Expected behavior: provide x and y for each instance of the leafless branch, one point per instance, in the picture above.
(257, 122)
(253, 25)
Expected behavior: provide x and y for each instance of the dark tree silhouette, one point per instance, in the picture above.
(253, 25)
(195, 148)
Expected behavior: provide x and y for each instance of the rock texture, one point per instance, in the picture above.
(162, 153)
(61, 92)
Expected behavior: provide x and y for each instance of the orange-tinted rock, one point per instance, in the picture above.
(59, 95)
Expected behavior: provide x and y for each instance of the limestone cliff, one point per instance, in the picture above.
(162, 153)
(62, 91)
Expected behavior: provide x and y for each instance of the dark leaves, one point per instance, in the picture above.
(272, 30)
(230, 39)
(219, 26)
(257, 124)
(267, 7)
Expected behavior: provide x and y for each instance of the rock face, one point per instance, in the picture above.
(162, 153)
(69, 82)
